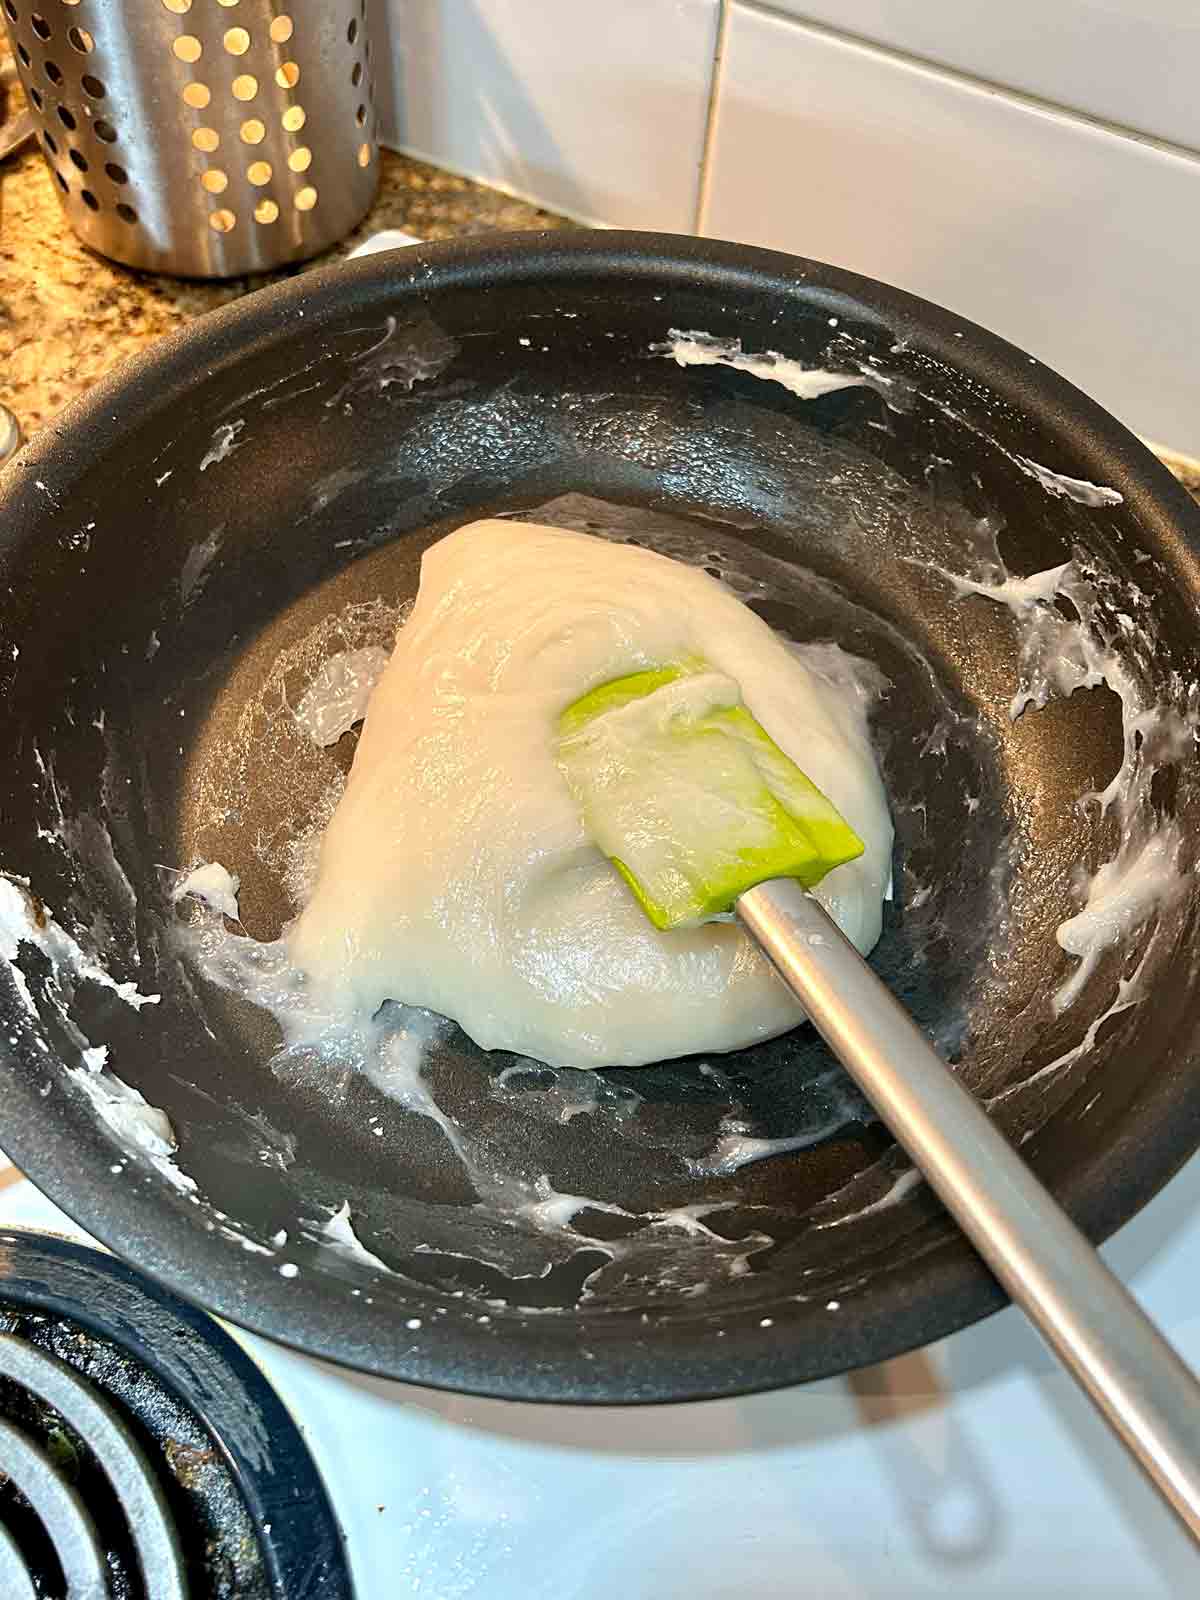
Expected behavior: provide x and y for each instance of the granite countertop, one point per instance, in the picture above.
(67, 316)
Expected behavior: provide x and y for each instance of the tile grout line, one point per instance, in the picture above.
(704, 176)
(971, 80)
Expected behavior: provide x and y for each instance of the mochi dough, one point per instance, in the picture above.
(456, 873)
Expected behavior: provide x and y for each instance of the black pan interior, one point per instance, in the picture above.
(177, 557)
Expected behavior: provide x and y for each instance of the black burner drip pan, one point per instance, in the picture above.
(143, 1455)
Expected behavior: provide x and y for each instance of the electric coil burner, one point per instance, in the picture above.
(143, 1456)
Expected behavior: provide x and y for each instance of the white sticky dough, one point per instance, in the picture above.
(456, 874)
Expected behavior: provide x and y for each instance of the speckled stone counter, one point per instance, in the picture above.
(68, 316)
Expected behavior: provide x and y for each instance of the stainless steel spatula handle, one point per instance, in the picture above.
(1099, 1332)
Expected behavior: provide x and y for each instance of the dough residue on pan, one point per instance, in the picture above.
(456, 874)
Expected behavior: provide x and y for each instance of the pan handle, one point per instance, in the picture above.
(1136, 1380)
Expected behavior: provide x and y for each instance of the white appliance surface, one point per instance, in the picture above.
(971, 1468)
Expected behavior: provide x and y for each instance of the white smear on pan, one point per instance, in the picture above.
(1064, 488)
(737, 1145)
(1019, 594)
(223, 444)
(129, 1115)
(1097, 646)
(24, 920)
(338, 695)
(214, 884)
(1121, 897)
(136, 1124)
(734, 1150)
(904, 1184)
(194, 572)
(560, 1094)
(395, 1060)
(550, 1209)
(243, 1242)
(696, 349)
(1057, 484)
(338, 1233)
(1129, 992)
(405, 353)
(15, 922)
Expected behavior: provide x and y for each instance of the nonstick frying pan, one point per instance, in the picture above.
(180, 551)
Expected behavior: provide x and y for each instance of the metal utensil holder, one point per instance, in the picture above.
(207, 138)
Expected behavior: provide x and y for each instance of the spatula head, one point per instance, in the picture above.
(690, 798)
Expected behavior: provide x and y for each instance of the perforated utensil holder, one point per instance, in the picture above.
(203, 137)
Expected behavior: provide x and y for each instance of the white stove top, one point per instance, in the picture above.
(971, 1468)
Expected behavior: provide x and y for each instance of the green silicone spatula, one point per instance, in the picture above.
(704, 816)
(689, 798)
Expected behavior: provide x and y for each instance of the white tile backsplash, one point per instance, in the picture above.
(592, 107)
(1077, 243)
(1132, 62)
